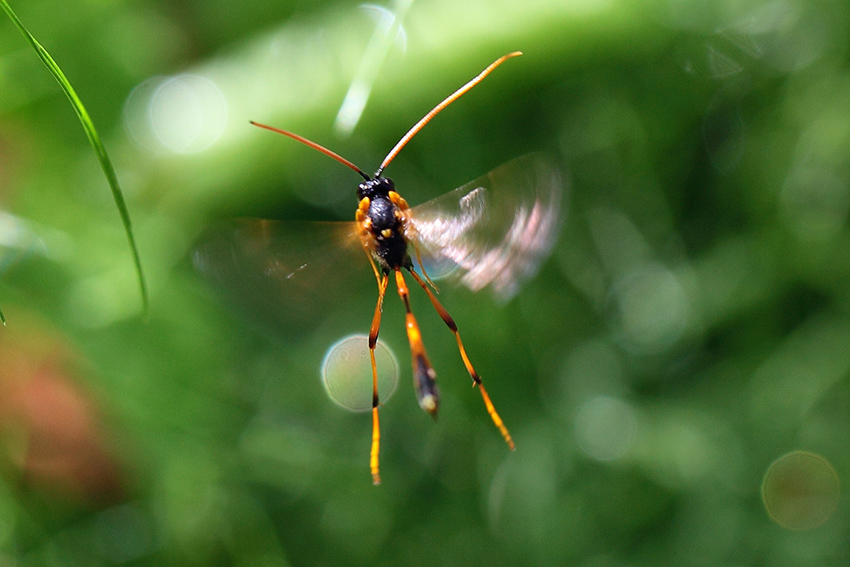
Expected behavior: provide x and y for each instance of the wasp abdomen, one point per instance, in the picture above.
(425, 380)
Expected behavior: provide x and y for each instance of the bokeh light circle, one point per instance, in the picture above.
(347, 373)
(605, 428)
(652, 309)
(182, 114)
(800, 490)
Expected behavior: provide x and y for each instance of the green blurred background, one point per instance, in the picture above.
(690, 328)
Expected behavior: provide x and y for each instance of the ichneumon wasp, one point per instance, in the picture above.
(493, 232)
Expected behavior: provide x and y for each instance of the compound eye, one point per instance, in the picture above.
(362, 190)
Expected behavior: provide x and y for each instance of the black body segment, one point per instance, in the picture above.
(385, 228)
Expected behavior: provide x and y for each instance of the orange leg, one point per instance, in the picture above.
(364, 224)
(491, 409)
(422, 267)
(373, 340)
(424, 376)
(410, 232)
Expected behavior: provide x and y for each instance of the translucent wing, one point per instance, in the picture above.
(283, 272)
(494, 231)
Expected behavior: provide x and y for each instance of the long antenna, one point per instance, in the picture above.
(450, 99)
(315, 146)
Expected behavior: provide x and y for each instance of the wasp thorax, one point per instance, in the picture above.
(382, 214)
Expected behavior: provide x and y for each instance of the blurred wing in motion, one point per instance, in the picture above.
(282, 272)
(494, 231)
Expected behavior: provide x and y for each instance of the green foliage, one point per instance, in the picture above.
(675, 377)
(94, 140)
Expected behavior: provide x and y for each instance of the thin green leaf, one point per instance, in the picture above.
(94, 140)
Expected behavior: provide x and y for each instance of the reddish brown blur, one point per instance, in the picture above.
(49, 426)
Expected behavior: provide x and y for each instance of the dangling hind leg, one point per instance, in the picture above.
(373, 340)
(491, 409)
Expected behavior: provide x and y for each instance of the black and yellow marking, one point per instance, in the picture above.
(386, 234)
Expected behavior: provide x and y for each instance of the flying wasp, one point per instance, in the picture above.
(493, 232)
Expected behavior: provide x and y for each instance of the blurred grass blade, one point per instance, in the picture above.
(2, 318)
(94, 140)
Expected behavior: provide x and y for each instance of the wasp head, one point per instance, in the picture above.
(378, 187)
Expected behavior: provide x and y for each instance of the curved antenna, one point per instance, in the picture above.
(315, 146)
(450, 99)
